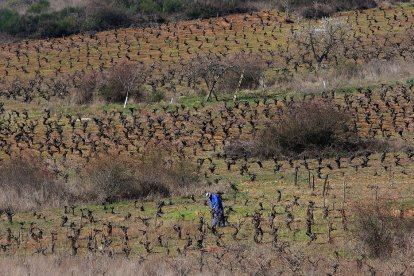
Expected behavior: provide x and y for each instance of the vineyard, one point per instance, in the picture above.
(374, 34)
(296, 212)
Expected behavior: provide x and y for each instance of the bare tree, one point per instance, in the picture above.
(211, 69)
(322, 40)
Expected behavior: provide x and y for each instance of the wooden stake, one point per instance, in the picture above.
(343, 191)
(324, 190)
(296, 175)
(325, 185)
(313, 182)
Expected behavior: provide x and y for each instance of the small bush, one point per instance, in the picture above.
(157, 96)
(39, 7)
(240, 149)
(101, 16)
(49, 24)
(85, 89)
(149, 7)
(305, 126)
(317, 11)
(171, 6)
(27, 183)
(251, 67)
(118, 178)
(10, 21)
(324, 8)
(381, 233)
(176, 174)
(112, 180)
(210, 8)
(355, 4)
(52, 26)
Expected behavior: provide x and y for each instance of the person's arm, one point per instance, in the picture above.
(215, 203)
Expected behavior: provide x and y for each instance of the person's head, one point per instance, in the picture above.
(208, 195)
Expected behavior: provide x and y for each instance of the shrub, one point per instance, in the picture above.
(157, 96)
(39, 7)
(85, 88)
(53, 26)
(250, 66)
(27, 183)
(123, 80)
(341, 5)
(317, 11)
(210, 8)
(10, 21)
(240, 149)
(112, 180)
(64, 22)
(381, 233)
(101, 16)
(305, 126)
(149, 7)
(172, 6)
(324, 8)
(176, 174)
(116, 178)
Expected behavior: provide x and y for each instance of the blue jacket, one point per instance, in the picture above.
(215, 202)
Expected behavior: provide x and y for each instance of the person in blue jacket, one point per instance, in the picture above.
(217, 209)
